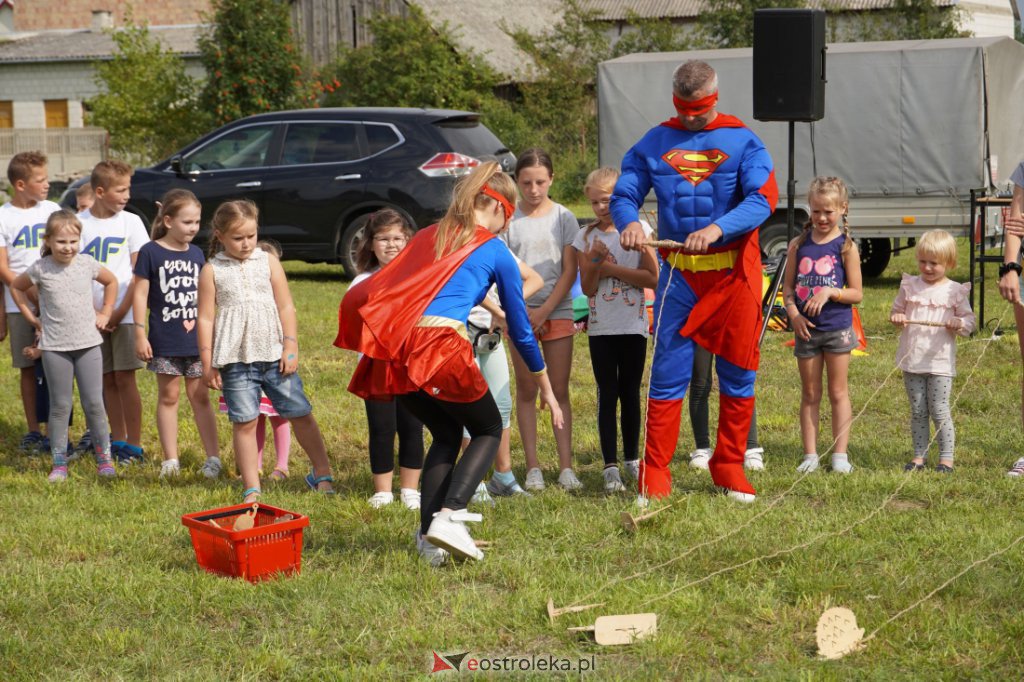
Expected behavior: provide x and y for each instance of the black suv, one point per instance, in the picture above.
(316, 174)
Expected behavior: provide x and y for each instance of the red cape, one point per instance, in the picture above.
(721, 121)
(376, 316)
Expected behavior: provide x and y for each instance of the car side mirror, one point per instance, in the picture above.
(176, 165)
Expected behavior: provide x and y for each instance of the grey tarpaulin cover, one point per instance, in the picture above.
(901, 118)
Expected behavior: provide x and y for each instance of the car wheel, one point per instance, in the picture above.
(774, 238)
(874, 256)
(347, 243)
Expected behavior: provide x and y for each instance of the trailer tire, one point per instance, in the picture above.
(774, 238)
(874, 256)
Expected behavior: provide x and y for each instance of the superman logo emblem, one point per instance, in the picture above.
(695, 166)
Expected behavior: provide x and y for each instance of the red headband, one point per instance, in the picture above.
(500, 198)
(695, 107)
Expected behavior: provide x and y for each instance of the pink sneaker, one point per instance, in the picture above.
(58, 475)
(105, 469)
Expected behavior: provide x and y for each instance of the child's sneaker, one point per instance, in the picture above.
(809, 464)
(448, 531)
(498, 489)
(211, 467)
(170, 468)
(481, 496)
(631, 467)
(1017, 470)
(381, 499)
(567, 479)
(612, 481)
(410, 498)
(534, 479)
(30, 443)
(58, 474)
(105, 468)
(132, 454)
(432, 554)
(753, 459)
(699, 458)
(43, 447)
(84, 444)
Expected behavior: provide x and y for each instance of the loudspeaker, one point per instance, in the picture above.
(789, 64)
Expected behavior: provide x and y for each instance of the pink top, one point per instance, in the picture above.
(931, 350)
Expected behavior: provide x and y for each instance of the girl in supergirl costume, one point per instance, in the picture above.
(409, 321)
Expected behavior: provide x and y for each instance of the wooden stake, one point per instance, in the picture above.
(624, 629)
(555, 613)
(664, 244)
(631, 523)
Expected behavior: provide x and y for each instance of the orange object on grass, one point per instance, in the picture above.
(268, 549)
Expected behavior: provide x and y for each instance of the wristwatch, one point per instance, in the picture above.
(1006, 267)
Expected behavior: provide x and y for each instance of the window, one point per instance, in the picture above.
(240, 148)
(320, 143)
(56, 113)
(6, 114)
(381, 137)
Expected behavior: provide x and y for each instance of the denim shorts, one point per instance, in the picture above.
(243, 383)
(838, 341)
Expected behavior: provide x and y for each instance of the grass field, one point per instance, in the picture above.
(99, 581)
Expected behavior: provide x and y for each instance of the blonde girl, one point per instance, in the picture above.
(70, 335)
(409, 321)
(167, 281)
(248, 343)
(614, 280)
(385, 235)
(932, 310)
(822, 282)
(541, 235)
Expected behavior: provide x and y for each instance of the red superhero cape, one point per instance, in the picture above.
(721, 121)
(377, 315)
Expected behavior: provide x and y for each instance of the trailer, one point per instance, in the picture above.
(912, 127)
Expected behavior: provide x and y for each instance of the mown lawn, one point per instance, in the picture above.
(99, 581)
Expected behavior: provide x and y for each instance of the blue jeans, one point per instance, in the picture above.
(243, 383)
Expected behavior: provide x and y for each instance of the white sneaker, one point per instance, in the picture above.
(745, 498)
(169, 468)
(498, 489)
(481, 496)
(642, 503)
(534, 479)
(699, 458)
(448, 531)
(211, 467)
(809, 464)
(567, 479)
(381, 499)
(410, 498)
(612, 481)
(753, 459)
(631, 467)
(433, 555)
(1017, 469)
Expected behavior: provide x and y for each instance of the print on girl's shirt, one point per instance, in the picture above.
(813, 275)
(179, 282)
(610, 289)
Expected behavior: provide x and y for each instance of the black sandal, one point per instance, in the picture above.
(944, 469)
(914, 466)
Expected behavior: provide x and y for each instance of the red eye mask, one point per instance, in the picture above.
(697, 107)
(506, 205)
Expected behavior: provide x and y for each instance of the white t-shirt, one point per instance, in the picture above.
(112, 241)
(618, 307)
(21, 233)
(539, 243)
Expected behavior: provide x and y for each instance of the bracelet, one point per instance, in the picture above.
(291, 338)
(839, 295)
(596, 260)
(139, 324)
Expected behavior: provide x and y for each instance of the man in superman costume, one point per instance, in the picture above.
(715, 184)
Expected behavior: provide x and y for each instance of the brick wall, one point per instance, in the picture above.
(36, 15)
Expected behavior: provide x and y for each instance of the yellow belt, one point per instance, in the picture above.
(702, 262)
(437, 321)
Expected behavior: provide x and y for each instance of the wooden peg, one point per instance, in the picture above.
(664, 244)
(630, 523)
(624, 629)
(555, 613)
(248, 519)
(284, 517)
(482, 544)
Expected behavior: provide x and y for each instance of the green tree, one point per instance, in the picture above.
(252, 64)
(411, 64)
(651, 35)
(730, 23)
(911, 20)
(148, 102)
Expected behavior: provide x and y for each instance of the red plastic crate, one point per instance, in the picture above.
(264, 551)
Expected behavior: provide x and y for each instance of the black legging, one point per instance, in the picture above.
(386, 419)
(446, 483)
(700, 390)
(618, 362)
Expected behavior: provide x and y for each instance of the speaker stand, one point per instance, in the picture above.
(769, 300)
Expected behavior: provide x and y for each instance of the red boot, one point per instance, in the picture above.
(662, 434)
(726, 465)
